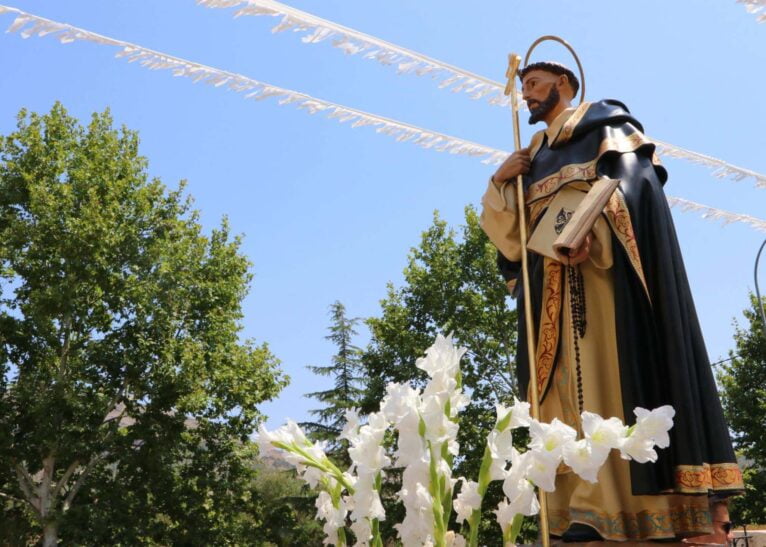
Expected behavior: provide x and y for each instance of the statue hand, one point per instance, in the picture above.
(516, 164)
(576, 256)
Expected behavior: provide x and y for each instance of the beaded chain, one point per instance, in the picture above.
(577, 299)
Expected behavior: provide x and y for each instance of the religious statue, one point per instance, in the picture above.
(614, 321)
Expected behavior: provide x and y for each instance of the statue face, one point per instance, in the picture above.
(540, 91)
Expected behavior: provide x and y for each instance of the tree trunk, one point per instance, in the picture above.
(51, 534)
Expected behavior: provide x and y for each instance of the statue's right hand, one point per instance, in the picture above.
(516, 164)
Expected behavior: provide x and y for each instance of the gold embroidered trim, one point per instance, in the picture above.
(584, 171)
(682, 519)
(700, 479)
(623, 144)
(569, 126)
(568, 173)
(548, 335)
(619, 218)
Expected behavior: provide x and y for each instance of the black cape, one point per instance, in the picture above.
(662, 355)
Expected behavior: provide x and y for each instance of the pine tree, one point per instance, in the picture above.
(344, 370)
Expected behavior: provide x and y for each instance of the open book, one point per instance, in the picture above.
(570, 218)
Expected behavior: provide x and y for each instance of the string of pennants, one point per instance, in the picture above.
(28, 25)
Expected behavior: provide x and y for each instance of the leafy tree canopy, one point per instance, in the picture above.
(743, 380)
(125, 390)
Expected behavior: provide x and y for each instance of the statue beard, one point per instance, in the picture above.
(538, 113)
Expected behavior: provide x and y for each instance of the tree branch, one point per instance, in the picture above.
(64, 479)
(27, 485)
(80, 480)
(14, 498)
(44, 490)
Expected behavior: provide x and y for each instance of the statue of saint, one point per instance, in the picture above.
(615, 323)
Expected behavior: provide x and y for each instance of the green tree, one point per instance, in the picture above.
(288, 507)
(743, 380)
(451, 284)
(125, 386)
(345, 372)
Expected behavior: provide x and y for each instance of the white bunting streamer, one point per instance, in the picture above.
(316, 29)
(720, 168)
(353, 42)
(28, 25)
(711, 213)
(755, 7)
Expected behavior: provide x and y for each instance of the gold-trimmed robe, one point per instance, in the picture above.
(611, 506)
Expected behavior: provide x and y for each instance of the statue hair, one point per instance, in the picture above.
(554, 68)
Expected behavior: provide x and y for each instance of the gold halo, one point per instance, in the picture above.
(571, 50)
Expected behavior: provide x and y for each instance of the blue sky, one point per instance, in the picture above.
(329, 212)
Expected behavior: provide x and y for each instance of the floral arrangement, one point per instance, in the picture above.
(427, 425)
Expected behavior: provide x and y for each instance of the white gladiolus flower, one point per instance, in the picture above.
(441, 383)
(311, 475)
(439, 427)
(444, 470)
(654, 424)
(442, 356)
(368, 455)
(504, 514)
(378, 423)
(415, 529)
(519, 415)
(453, 447)
(418, 524)
(550, 438)
(410, 447)
(400, 400)
(467, 500)
(457, 402)
(517, 474)
(603, 434)
(502, 413)
(362, 531)
(453, 539)
(500, 444)
(501, 449)
(334, 517)
(417, 472)
(638, 448)
(265, 446)
(324, 505)
(288, 434)
(497, 469)
(351, 427)
(526, 502)
(542, 470)
(366, 500)
(417, 498)
(280, 442)
(517, 487)
(585, 458)
(427, 427)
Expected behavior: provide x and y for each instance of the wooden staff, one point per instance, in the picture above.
(510, 89)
